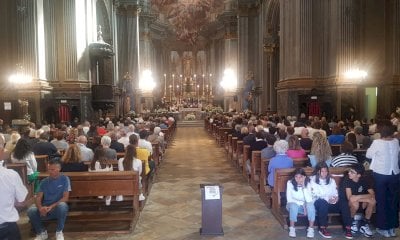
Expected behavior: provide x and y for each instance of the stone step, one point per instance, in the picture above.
(194, 123)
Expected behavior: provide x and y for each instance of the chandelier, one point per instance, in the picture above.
(188, 17)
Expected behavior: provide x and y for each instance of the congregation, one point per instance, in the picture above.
(357, 146)
(127, 144)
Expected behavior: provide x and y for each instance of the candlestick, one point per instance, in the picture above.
(173, 84)
(165, 85)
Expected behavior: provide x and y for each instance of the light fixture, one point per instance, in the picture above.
(356, 74)
(20, 77)
(229, 80)
(146, 83)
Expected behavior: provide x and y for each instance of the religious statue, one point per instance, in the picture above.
(187, 66)
(247, 91)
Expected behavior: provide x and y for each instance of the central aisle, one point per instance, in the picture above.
(173, 209)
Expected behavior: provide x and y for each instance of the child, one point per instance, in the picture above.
(357, 192)
(326, 200)
(299, 200)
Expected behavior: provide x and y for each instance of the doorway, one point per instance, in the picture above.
(370, 102)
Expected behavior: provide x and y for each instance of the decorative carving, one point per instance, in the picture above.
(271, 43)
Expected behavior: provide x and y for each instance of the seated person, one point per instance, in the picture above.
(142, 154)
(281, 160)
(305, 140)
(299, 200)
(336, 137)
(320, 150)
(269, 152)
(51, 202)
(72, 160)
(346, 158)
(130, 162)
(295, 150)
(326, 200)
(358, 194)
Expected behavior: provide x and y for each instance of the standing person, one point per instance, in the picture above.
(299, 200)
(384, 153)
(326, 200)
(51, 202)
(12, 189)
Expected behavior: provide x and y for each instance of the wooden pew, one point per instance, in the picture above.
(265, 196)
(239, 155)
(265, 191)
(335, 149)
(87, 213)
(21, 169)
(245, 156)
(228, 143)
(280, 180)
(255, 171)
(233, 151)
(42, 162)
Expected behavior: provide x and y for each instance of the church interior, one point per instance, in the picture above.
(64, 60)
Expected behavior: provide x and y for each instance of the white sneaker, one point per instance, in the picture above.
(310, 232)
(366, 231)
(108, 200)
(142, 197)
(392, 232)
(383, 233)
(59, 236)
(119, 198)
(292, 232)
(42, 236)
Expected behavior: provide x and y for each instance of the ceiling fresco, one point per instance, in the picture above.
(188, 17)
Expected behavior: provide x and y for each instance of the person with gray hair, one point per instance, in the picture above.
(111, 154)
(281, 160)
(86, 153)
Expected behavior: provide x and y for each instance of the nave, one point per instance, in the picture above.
(173, 208)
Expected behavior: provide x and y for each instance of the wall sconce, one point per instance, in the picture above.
(146, 83)
(229, 80)
(19, 77)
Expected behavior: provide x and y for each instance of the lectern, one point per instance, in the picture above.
(211, 209)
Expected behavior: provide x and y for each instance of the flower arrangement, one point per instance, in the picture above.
(161, 110)
(214, 109)
(27, 117)
(190, 117)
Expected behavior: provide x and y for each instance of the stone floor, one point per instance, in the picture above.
(173, 208)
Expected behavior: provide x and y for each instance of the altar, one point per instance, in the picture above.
(191, 114)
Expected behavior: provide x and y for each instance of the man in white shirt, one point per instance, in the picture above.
(143, 143)
(12, 189)
(86, 153)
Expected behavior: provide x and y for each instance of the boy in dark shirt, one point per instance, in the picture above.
(358, 193)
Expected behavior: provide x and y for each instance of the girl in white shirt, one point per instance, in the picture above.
(22, 153)
(326, 200)
(384, 153)
(299, 200)
(130, 162)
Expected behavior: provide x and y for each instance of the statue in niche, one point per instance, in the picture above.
(187, 64)
(248, 91)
